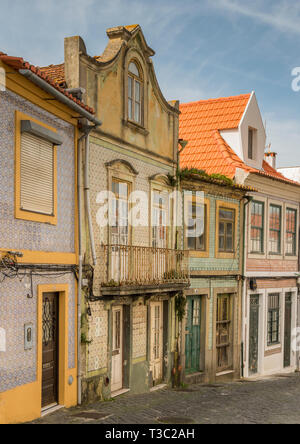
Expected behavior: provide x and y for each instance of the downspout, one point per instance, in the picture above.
(85, 138)
(244, 285)
(87, 195)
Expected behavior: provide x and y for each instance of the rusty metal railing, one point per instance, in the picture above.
(132, 265)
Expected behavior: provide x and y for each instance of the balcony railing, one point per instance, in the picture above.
(128, 265)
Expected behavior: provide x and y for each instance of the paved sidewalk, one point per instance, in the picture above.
(267, 401)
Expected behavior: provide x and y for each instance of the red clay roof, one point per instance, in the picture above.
(201, 123)
(19, 63)
(56, 73)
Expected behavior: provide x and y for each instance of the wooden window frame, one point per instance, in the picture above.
(135, 79)
(230, 206)
(278, 253)
(24, 214)
(262, 228)
(226, 222)
(293, 233)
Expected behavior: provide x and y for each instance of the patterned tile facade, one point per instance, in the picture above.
(19, 366)
(98, 334)
(24, 235)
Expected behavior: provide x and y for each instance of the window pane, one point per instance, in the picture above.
(137, 91)
(130, 87)
(134, 69)
(291, 236)
(226, 214)
(130, 104)
(137, 112)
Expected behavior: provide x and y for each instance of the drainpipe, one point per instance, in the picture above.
(244, 285)
(87, 195)
(84, 138)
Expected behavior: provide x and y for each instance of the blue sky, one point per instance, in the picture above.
(204, 48)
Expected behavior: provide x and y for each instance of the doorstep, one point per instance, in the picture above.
(158, 387)
(119, 393)
(51, 409)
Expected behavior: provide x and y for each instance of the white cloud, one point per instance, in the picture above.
(282, 15)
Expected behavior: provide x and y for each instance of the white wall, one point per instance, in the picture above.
(292, 173)
(252, 119)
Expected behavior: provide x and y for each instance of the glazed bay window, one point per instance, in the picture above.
(257, 227)
(196, 230)
(273, 319)
(291, 232)
(135, 94)
(226, 230)
(275, 229)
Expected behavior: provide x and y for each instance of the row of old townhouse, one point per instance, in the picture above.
(92, 305)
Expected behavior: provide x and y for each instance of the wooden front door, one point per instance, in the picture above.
(50, 350)
(224, 333)
(156, 341)
(117, 349)
(192, 337)
(253, 334)
(287, 330)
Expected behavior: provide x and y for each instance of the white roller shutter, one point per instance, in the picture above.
(37, 174)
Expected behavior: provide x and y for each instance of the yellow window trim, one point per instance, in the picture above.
(43, 257)
(206, 253)
(231, 206)
(27, 215)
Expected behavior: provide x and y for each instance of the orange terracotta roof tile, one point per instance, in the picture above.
(56, 73)
(201, 123)
(18, 63)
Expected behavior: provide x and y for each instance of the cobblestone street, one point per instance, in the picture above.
(269, 401)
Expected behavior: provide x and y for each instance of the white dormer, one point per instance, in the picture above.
(249, 140)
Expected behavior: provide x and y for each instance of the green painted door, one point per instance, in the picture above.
(192, 338)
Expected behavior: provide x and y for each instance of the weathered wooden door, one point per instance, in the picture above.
(287, 329)
(253, 334)
(117, 349)
(224, 333)
(50, 350)
(192, 337)
(156, 341)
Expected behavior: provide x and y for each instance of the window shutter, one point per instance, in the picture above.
(37, 175)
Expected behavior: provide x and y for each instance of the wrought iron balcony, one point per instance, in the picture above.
(127, 266)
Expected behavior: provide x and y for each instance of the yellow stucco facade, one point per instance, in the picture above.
(24, 402)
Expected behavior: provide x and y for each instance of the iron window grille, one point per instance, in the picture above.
(274, 319)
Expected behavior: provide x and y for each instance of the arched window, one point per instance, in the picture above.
(135, 94)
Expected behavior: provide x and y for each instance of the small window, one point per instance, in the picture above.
(251, 135)
(257, 227)
(275, 229)
(120, 213)
(159, 219)
(291, 232)
(273, 319)
(226, 230)
(135, 94)
(196, 230)
(37, 175)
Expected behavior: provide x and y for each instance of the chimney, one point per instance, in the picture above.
(270, 157)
